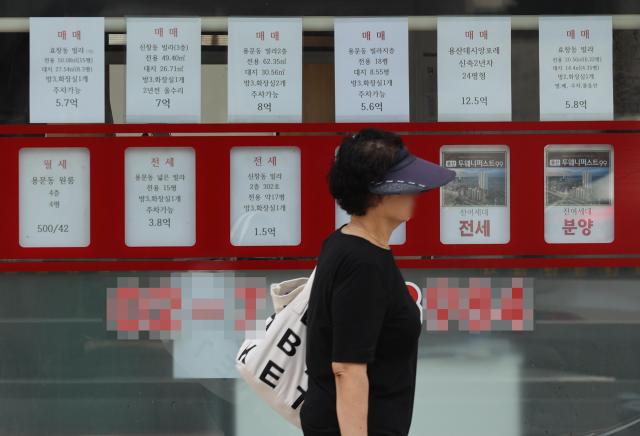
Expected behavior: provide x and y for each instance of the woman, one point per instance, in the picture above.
(362, 323)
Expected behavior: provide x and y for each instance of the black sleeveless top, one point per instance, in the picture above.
(361, 311)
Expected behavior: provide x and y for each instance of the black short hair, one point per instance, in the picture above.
(361, 159)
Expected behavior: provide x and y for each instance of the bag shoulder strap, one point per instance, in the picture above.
(299, 303)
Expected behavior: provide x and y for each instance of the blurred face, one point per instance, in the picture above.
(398, 207)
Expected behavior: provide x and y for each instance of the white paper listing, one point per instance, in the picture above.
(163, 70)
(371, 69)
(54, 197)
(576, 63)
(66, 70)
(474, 207)
(264, 77)
(265, 196)
(160, 202)
(578, 194)
(474, 68)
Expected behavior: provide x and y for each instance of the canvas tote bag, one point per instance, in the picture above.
(274, 365)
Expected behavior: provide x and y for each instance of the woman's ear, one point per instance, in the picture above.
(375, 199)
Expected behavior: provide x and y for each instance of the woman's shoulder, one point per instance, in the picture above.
(348, 252)
(353, 244)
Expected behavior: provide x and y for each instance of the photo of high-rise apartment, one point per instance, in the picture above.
(480, 179)
(579, 186)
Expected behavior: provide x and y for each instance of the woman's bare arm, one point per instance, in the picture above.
(352, 397)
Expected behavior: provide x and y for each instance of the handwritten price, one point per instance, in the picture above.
(163, 102)
(159, 222)
(265, 231)
(575, 104)
(264, 107)
(474, 101)
(53, 228)
(373, 106)
(66, 102)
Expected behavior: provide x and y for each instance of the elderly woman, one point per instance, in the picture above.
(362, 323)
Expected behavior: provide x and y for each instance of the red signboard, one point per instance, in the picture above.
(213, 249)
